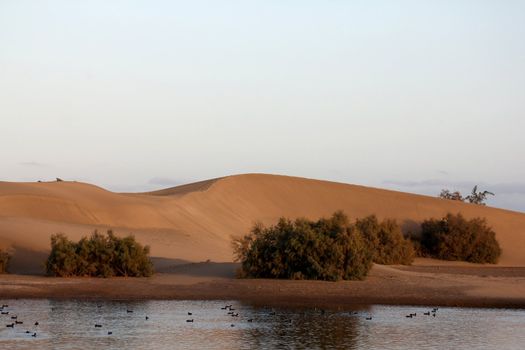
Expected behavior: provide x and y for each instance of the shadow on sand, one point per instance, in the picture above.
(30, 262)
(27, 262)
(199, 269)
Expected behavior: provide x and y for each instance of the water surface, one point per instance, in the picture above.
(71, 325)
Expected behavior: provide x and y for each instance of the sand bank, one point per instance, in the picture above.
(426, 283)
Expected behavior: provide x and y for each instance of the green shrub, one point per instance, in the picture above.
(4, 261)
(328, 249)
(386, 242)
(99, 255)
(455, 238)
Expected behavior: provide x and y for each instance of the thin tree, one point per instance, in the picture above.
(478, 197)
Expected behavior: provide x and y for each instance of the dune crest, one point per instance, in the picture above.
(195, 222)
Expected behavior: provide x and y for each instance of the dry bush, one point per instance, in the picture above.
(98, 256)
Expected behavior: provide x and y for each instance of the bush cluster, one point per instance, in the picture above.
(98, 256)
(328, 249)
(4, 261)
(456, 238)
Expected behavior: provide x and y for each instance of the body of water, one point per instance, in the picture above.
(49, 324)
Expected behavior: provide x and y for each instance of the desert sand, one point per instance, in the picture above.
(195, 223)
(427, 282)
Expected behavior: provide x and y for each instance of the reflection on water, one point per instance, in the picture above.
(163, 325)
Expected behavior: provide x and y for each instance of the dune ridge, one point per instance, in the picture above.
(195, 222)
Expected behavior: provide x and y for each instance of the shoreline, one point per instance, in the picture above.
(417, 285)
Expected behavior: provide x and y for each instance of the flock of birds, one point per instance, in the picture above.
(4, 311)
(432, 313)
(230, 311)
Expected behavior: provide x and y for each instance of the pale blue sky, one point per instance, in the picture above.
(134, 95)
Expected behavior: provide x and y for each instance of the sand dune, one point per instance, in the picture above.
(195, 222)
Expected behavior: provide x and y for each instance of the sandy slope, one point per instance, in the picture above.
(195, 222)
